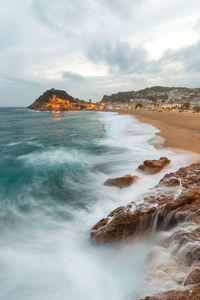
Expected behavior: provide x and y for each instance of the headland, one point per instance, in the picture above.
(58, 100)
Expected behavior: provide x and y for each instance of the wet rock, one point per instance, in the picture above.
(175, 200)
(191, 293)
(154, 166)
(185, 245)
(121, 182)
(190, 243)
(193, 277)
(161, 209)
(162, 213)
(121, 223)
(185, 177)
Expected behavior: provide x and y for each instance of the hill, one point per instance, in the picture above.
(153, 93)
(57, 100)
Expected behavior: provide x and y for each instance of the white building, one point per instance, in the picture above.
(195, 103)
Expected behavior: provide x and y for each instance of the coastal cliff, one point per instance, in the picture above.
(57, 100)
(173, 206)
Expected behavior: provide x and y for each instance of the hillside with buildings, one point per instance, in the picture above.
(157, 96)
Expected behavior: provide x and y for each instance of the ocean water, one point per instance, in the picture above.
(52, 170)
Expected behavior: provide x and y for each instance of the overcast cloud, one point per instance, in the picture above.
(94, 47)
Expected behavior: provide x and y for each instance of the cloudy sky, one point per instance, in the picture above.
(94, 47)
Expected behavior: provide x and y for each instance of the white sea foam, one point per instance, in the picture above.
(53, 156)
(34, 143)
(14, 143)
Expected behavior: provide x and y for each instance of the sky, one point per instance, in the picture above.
(94, 47)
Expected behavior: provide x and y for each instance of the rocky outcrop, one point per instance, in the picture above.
(154, 166)
(121, 223)
(161, 208)
(121, 182)
(192, 293)
(175, 200)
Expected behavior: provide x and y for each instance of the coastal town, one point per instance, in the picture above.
(150, 99)
(154, 99)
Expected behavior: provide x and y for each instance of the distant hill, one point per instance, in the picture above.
(151, 93)
(57, 100)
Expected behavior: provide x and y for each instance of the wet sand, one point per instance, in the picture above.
(180, 130)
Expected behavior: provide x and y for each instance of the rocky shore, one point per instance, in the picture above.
(173, 206)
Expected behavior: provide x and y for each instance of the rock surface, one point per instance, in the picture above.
(161, 209)
(174, 201)
(121, 182)
(154, 166)
(191, 293)
(193, 277)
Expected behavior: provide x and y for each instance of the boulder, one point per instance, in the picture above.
(154, 166)
(121, 182)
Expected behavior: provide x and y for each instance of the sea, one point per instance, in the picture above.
(52, 172)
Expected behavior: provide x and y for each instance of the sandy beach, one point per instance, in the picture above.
(180, 130)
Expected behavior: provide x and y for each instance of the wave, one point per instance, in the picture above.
(53, 156)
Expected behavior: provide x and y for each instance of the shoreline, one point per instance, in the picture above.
(180, 131)
(172, 206)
